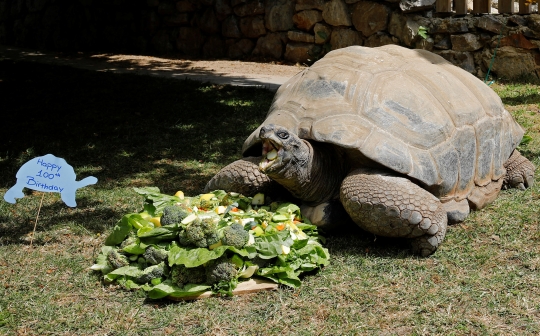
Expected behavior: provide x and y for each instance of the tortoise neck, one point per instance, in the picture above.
(318, 178)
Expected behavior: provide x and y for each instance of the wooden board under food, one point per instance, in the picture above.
(244, 287)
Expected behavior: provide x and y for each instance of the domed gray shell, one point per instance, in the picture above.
(409, 110)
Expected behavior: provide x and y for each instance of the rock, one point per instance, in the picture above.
(240, 49)
(379, 39)
(301, 52)
(229, 27)
(206, 2)
(370, 17)
(152, 22)
(416, 5)
(511, 63)
(237, 2)
(160, 42)
(517, 41)
(252, 26)
(253, 7)
(278, 15)
(443, 44)
(306, 19)
(269, 46)
(178, 19)
(464, 60)
(344, 37)
(336, 13)
(309, 4)
(4, 13)
(449, 25)
(214, 47)
(404, 28)
(465, 42)
(209, 22)
(490, 23)
(36, 5)
(166, 8)
(18, 7)
(223, 9)
(185, 6)
(519, 20)
(425, 44)
(190, 41)
(534, 24)
(298, 36)
(152, 3)
(322, 33)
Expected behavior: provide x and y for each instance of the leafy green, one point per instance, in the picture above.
(166, 288)
(155, 201)
(271, 246)
(120, 232)
(193, 257)
(281, 245)
(101, 261)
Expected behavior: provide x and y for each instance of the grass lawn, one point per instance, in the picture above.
(132, 131)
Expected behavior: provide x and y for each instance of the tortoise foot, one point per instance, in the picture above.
(393, 206)
(519, 172)
(242, 176)
(328, 215)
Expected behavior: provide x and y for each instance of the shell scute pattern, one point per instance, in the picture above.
(408, 110)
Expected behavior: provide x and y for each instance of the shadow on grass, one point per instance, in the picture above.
(533, 98)
(121, 125)
(126, 130)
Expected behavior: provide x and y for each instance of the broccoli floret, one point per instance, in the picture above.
(117, 259)
(181, 275)
(200, 233)
(152, 272)
(220, 270)
(155, 255)
(173, 214)
(131, 239)
(207, 204)
(235, 235)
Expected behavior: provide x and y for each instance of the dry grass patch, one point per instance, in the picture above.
(136, 131)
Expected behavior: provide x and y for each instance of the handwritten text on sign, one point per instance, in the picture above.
(48, 173)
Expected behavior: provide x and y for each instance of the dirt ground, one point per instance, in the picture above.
(266, 74)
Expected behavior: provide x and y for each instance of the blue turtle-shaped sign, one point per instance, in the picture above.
(51, 174)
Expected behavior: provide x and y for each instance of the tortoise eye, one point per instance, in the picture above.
(283, 135)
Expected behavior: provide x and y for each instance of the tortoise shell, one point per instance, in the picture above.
(408, 110)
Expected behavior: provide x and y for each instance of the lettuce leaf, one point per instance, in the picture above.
(101, 261)
(269, 246)
(156, 201)
(166, 288)
(193, 257)
(120, 232)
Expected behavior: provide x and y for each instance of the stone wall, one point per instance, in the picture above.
(295, 31)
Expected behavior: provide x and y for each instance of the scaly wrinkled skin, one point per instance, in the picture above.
(519, 172)
(309, 171)
(377, 199)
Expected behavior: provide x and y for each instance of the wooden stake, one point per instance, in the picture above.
(37, 217)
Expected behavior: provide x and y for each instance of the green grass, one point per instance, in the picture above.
(133, 131)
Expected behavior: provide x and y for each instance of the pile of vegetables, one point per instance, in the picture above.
(183, 246)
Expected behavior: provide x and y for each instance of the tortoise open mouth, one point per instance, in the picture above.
(270, 153)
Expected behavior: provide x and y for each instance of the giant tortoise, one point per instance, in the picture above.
(400, 139)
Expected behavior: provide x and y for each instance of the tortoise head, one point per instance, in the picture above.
(283, 152)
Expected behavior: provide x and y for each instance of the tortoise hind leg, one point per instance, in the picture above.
(392, 206)
(519, 172)
(242, 176)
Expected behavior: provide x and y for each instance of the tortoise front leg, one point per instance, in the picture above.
(519, 172)
(242, 176)
(392, 206)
